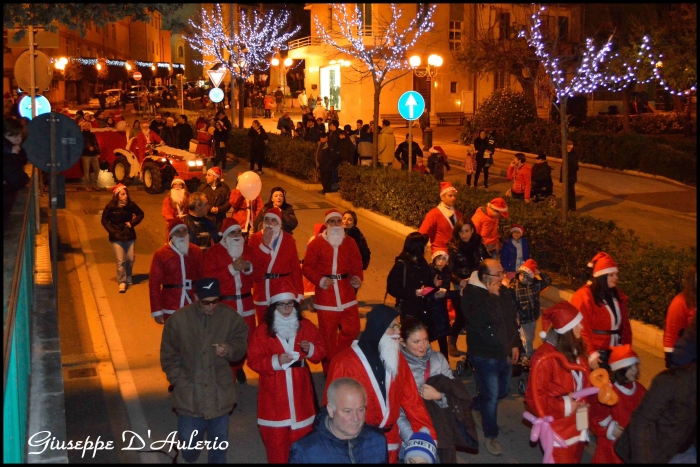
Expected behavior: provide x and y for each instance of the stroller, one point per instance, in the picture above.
(540, 193)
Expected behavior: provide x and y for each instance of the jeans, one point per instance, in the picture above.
(527, 335)
(479, 167)
(215, 428)
(90, 162)
(493, 380)
(220, 156)
(124, 254)
(688, 457)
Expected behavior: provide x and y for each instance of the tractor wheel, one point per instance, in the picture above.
(122, 171)
(551, 201)
(152, 178)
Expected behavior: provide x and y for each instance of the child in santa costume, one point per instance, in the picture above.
(278, 352)
(176, 204)
(555, 384)
(334, 265)
(604, 309)
(231, 261)
(485, 221)
(174, 268)
(608, 422)
(276, 263)
(440, 220)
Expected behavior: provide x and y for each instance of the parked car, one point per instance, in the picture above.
(157, 90)
(94, 102)
(113, 97)
(136, 92)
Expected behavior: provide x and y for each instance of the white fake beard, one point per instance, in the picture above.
(182, 244)
(335, 236)
(287, 327)
(276, 231)
(234, 246)
(177, 195)
(389, 353)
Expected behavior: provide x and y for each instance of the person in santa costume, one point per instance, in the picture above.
(139, 145)
(485, 220)
(231, 262)
(244, 211)
(275, 262)
(176, 203)
(278, 352)
(440, 221)
(680, 313)
(608, 422)
(604, 308)
(174, 268)
(334, 265)
(376, 362)
(309, 287)
(555, 384)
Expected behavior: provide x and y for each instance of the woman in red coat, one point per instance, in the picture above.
(608, 422)
(278, 352)
(554, 384)
(680, 312)
(203, 140)
(604, 309)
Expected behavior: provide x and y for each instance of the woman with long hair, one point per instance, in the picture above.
(680, 312)
(278, 352)
(604, 308)
(555, 384)
(119, 218)
(278, 199)
(351, 229)
(135, 129)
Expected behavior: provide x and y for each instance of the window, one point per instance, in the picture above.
(504, 26)
(366, 16)
(549, 27)
(453, 87)
(455, 35)
(501, 80)
(180, 51)
(563, 33)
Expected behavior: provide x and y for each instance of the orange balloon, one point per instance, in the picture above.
(599, 378)
(607, 396)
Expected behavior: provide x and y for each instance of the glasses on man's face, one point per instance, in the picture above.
(498, 274)
(289, 304)
(210, 302)
(395, 327)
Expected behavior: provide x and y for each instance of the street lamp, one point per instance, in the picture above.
(283, 71)
(429, 72)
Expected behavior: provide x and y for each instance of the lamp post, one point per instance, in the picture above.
(429, 72)
(283, 78)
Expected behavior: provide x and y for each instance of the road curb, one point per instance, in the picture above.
(371, 216)
(293, 181)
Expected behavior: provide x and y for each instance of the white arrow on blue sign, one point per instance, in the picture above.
(411, 105)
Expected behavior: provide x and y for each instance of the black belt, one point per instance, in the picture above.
(275, 276)
(337, 276)
(236, 297)
(607, 332)
(387, 429)
(298, 363)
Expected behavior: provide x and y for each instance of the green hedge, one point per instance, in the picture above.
(292, 156)
(659, 123)
(651, 276)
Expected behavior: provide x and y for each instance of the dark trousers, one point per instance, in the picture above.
(257, 156)
(469, 180)
(220, 156)
(479, 168)
(572, 195)
(520, 196)
(267, 113)
(327, 179)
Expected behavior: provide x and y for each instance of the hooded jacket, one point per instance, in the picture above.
(378, 320)
(386, 145)
(490, 320)
(114, 219)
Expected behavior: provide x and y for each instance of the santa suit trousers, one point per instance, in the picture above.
(250, 321)
(570, 455)
(278, 441)
(328, 321)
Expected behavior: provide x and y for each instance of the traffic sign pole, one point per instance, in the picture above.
(411, 106)
(410, 146)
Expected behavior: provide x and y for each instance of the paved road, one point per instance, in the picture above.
(89, 291)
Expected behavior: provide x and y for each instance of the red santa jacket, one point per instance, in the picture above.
(285, 396)
(138, 144)
(600, 317)
(169, 212)
(323, 260)
(218, 263)
(438, 228)
(678, 318)
(604, 418)
(486, 226)
(169, 267)
(522, 179)
(554, 384)
(244, 211)
(283, 259)
(402, 393)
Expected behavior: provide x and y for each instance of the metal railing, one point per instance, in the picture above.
(16, 330)
(304, 42)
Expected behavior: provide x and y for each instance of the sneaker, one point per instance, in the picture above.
(129, 281)
(122, 287)
(240, 375)
(493, 447)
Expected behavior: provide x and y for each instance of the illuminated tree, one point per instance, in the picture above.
(385, 59)
(241, 52)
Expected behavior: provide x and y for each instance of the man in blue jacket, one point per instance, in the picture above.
(340, 435)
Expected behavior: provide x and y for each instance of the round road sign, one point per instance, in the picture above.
(42, 67)
(25, 106)
(68, 142)
(411, 105)
(216, 95)
(137, 75)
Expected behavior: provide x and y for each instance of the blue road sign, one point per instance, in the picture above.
(216, 95)
(411, 105)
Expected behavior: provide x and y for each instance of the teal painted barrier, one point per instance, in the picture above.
(17, 336)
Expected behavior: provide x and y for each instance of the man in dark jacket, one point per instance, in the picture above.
(90, 157)
(168, 133)
(401, 153)
(327, 160)
(200, 228)
(218, 193)
(285, 121)
(340, 435)
(157, 124)
(222, 127)
(492, 334)
(313, 134)
(259, 138)
(184, 132)
(345, 148)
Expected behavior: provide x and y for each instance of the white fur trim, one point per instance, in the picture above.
(311, 350)
(505, 209)
(567, 405)
(448, 189)
(570, 325)
(527, 271)
(283, 296)
(605, 271)
(212, 172)
(623, 363)
(609, 433)
(178, 226)
(276, 363)
(157, 313)
(229, 230)
(543, 335)
(668, 349)
(269, 214)
(333, 214)
(606, 421)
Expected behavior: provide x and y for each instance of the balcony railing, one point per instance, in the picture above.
(304, 42)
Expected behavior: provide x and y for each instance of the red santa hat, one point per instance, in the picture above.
(332, 213)
(446, 187)
(176, 180)
(229, 225)
(622, 356)
(202, 126)
(282, 297)
(499, 204)
(437, 150)
(602, 264)
(529, 267)
(174, 224)
(517, 227)
(274, 212)
(563, 317)
(439, 253)
(118, 113)
(216, 171)
(117, 188)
